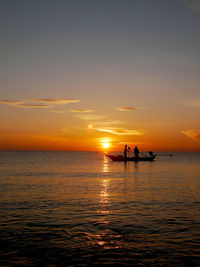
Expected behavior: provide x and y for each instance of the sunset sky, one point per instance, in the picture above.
(98, 74)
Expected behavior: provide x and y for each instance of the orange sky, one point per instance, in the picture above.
(129, 69)
(41, 129)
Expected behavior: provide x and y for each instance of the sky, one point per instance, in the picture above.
(99, 74)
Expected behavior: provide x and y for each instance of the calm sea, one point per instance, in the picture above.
(81, 209)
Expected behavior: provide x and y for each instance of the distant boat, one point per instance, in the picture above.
(121, 158)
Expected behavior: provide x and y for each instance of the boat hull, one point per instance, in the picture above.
(121, 158)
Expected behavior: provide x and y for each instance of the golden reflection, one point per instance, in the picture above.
(105, 238)
(104, 201)
(103, 211)
(105, 164)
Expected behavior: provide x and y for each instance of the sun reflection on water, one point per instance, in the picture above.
(104, 202)
(105, 237)
(105, 165)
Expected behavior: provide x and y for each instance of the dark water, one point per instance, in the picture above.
(80, 209)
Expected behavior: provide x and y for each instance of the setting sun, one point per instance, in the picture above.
(105, 145)
(100, 132)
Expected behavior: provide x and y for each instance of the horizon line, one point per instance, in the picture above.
(29, 150)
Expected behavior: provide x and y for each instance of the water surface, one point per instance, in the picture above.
(79, 208)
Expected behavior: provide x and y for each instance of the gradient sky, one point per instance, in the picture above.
(129, 68)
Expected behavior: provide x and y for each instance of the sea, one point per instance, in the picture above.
(82, 209)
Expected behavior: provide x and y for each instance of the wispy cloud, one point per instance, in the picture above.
(24, 105)
(37, 103)
(81, 110)
(108, 126)
(130, 108)
(58, 101)
(119, 131)
(11, 102)
(192, 134)
(126, 108)
(192, 4)
(108, 123)
(91, 117)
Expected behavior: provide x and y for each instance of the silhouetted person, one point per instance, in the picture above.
(125, 151)
(136, 151)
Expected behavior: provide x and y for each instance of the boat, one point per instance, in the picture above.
(121, 158)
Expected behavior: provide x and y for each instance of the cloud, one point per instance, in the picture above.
(192, 4)
(111, 127)
(119, 131)
(37, 103)
(55, 101)
(11, 102)
(130, 108)
(126, 108)
(24, 105)
(192, 134)
(91, 117)
(81, 110)
(108, 123)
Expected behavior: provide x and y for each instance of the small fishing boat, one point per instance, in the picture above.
(121, 158)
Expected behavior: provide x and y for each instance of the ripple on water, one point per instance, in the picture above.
(55, 212)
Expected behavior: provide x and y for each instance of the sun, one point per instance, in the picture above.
(105, 145)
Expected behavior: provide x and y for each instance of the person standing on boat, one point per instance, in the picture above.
(136, 151)
(125, 151)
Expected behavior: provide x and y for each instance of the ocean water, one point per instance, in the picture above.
(81, 209)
